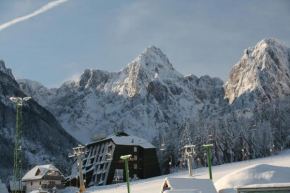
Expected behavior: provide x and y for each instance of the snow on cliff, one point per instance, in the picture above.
(147, 97)
(262, 73)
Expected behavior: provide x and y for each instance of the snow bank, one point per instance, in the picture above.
(188, 185)
(254, 175)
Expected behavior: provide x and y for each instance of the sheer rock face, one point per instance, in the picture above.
(5, 70)
(261, 75)
(147, 97)
(44, 139)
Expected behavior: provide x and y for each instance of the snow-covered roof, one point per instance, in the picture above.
(33, 174)
(259, 175)
(125, 139)
(189, 185)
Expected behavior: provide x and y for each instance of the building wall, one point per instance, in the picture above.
(36, 184)
(100, 171)
(95, 165)
(151, 165)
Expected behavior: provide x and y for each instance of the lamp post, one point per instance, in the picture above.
(243, 154)
(204, 156)
(126, 158)
(208, 146)
(180, 162)
(282, 147)
(198, 162)
(17, 169)
(170, 165)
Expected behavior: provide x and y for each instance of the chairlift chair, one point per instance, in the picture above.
(210, 138)
(254, 127)
(162, 147)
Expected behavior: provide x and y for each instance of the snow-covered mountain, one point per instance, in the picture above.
(262, 75)
(150, 99)
(44, 140)
(145, 98)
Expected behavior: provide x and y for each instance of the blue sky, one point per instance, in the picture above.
(199, 37)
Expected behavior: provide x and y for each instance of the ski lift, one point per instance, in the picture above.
(189, 150)
(181, 155)
(162, 147)
(254, 127)
(210, 138)
(198, 139)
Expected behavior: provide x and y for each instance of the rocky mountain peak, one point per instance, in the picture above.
(263, 69)
(92, 78)
(155, 63)
(3, 68)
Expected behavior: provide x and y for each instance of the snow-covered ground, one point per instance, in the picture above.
(153, 185)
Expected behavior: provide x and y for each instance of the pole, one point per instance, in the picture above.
(170, 164)
(209, 163)
(208, 158)
(81, 173)
(17, 172)
(17, 167)
(78, 152)
(189, 166)
(127, 175)
(126, 158)
(243, 154)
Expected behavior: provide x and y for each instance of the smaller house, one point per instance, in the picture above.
(43, 178)
(187, 185)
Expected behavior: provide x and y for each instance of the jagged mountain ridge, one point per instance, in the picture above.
(44, 140)
(262, 75)
(145, 98)
(149, 96)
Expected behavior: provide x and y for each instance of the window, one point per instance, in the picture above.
(51, 182)
(135, 149)
(31, 183)
(135, 157)
(135, 166)
(39, 182)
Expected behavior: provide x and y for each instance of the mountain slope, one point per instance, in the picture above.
(44, 140)
(150, 99)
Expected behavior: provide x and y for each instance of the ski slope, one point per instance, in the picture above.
(153, 185)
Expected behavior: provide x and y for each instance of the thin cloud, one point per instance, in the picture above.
(35, 13)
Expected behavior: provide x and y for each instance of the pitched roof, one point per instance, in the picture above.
(38, 172)
(123, 138)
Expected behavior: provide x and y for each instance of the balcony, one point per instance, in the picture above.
(50, 186)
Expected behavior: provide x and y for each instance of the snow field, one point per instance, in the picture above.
(153, 185)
